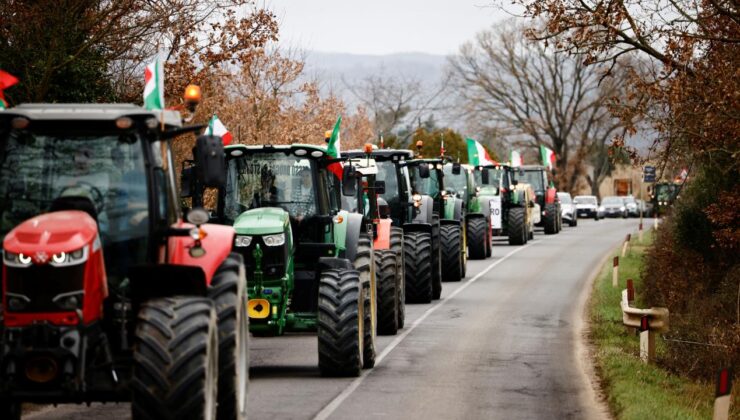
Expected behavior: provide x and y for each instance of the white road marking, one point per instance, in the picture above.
(330, 408)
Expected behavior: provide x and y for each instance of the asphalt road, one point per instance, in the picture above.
(501, 344)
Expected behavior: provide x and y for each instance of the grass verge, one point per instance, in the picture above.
(634, 390)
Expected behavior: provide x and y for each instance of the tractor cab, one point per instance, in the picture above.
(545, 195)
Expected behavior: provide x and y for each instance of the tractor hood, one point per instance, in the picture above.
(52, 233)
(262, 221)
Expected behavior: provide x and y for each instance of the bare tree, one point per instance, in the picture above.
(535, 96)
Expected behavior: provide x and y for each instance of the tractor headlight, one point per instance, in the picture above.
(242, 241)
(64, 259)
(16, 260)
(274, 240)
(621, 208)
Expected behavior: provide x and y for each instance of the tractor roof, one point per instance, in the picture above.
(364, 165)
(98, 112)
(309, 150)
(532, 167)
(382, 154)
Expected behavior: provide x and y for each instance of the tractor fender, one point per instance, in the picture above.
(426, 210)
(327, 263)
(150, 281)
(217, 243)
(383, 239)
(417, 227)
(458, 210)
(551, 196)
(485, 205)
(354, 229)
(471, 216)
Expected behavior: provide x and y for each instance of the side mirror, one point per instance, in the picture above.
(380, 187)
(485, 176)
(456, 167)
(423, 170)
(198, 216)
(349, 182)
(187, 182)
(210, 161)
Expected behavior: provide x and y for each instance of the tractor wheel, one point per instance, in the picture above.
(10, 410)
(573, 222)
(397, 248)
(364, 264)
(437, 258)
(517, 226)
(530, 231)
(477, 238)
(175, 372)
(450, 244)
(551, 219)
(418, 258)
(229, 296)
(385, 270)
(340, 323)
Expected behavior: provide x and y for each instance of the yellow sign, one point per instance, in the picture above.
(258, 308)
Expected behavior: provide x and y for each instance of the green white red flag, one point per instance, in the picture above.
(217, 128)
(477, 154)
(515, 159)
(333, 149)
(154, 86)
(548, 157)
(6, 80)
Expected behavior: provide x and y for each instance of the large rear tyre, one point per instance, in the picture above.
(397, 248)
(228, 293)
(551, 219)
(364, 264)
(418, 258)
(385, 269)
(437, 258)
(175, 372)
(477, 236)
(340, 323)
(517, 227)
(450, 243)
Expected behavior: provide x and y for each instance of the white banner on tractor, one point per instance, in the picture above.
(495, 203)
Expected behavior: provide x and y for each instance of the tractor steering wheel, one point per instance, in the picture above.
(97, 196)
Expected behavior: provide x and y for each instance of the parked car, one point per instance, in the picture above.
(614, 207)
(568, 208)
(630, 205)
(587, 206)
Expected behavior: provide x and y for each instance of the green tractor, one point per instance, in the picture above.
(387, 240)
(663, 196)
(551, 217)
(460, 183)
(412, 221)
(309, 263)
(511, 206)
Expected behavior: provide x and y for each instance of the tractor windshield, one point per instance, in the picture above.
(534, 178)
(428, 186)
(495, 177)
(457, 183)
(270, 180)
(104, 174)
(387, 173)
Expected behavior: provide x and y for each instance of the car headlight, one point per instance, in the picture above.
(64, 259)
(242, 241)
(601, 208)
(274, 240)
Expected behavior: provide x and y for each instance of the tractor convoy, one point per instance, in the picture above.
(117, 285)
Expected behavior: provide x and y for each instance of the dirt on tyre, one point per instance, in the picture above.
(340, 323)
(364, 264)
(550, 220)
(517, 228)
(451, 237)
(477, 237)
(175, 368)
(418, 270)
(388, 304)
(228, 293)
(397, 248)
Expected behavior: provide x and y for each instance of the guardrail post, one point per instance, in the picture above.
(657, 222)
(630, 292)
(626, 244)
(722, 395)
(615, 272)
(647, 341)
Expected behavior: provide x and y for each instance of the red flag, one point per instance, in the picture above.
(6, 80)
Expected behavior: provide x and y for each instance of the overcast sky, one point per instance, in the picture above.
(382, 26)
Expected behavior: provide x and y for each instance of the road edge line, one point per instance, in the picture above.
(332, 406)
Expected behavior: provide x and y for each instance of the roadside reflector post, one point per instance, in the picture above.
(646, 321)
(615, 272)
(626, 244)
(722, 395)
(630, 292)
(640, 232)
(657, 221)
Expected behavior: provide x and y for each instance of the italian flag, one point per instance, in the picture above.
(154, 86)
(548, 157)
(6, 80)
(217, 128)
(333, 149)
(477, 154)
(515, 158)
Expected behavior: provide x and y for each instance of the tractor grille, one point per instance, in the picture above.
(274, 259)
(40, 284)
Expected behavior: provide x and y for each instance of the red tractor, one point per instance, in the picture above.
(107, 295)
